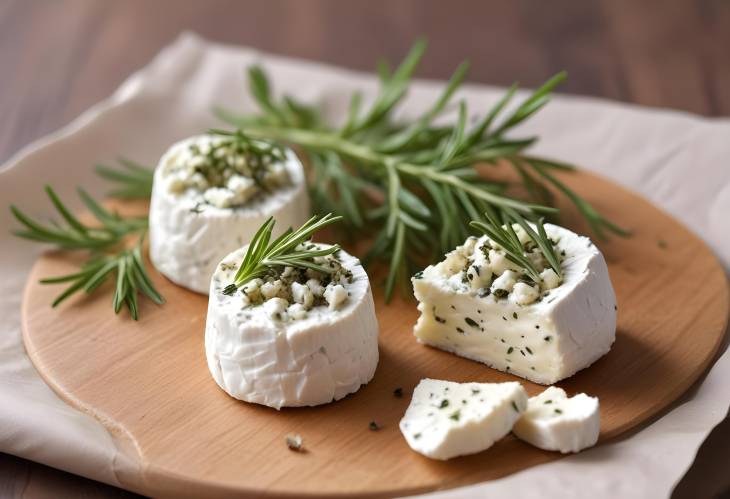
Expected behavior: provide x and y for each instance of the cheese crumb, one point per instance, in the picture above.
(506, 281)
(335, 295)
(270, 289)
(297, 311)
(276, 307)
(315, 287)
(524, 294)
(302, 294)
(550, 279)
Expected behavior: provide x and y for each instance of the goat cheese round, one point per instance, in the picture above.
(209, 197)
(294, 338)
(447, 419)
(555, 422)
(477, 304)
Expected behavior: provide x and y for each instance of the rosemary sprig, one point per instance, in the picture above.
(133, 180)
(264, 254)
(105, 242)
(416, 181)
(501, 231)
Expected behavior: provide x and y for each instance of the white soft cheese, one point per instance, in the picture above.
(191, 230)
(569, 327)
(447, 419)
(555, 422)
(282, 355)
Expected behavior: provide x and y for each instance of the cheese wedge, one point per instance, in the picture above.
(555, 422)
(477, 304)
(447, 419)
(294, 339)
(196, 220)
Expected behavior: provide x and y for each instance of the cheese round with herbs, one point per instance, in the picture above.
(478, 304)
(295, 337)
(209, 198)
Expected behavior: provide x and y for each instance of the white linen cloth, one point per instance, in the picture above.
(678, 161)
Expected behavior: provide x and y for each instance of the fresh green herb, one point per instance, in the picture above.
(374, 426)
(444, 404)
(510, 350)
(417, 179)
(264, 254)
(109, 257)
(514, 315)
(133, 180)
(455, 415)
(548, 401)
(558, 411)
(471, 322)
(500, 230)
(514, 406)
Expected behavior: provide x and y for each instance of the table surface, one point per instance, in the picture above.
(61, 56)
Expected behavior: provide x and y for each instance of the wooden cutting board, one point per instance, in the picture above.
(148, 382)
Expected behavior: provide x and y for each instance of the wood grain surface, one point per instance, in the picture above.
(61, 56)
(149, 384)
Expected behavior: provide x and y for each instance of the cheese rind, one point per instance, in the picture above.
(305, 360)
(447, 419)
(569, 328)
(555, 422)
(189, 236)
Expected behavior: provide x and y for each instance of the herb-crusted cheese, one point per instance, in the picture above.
(295, 337)
(209, 197)
(447, 419)
(478, 304)
(290, 293)
(555, 422)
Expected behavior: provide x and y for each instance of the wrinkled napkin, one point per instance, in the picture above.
(677, 160)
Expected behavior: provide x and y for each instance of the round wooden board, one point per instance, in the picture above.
(148, 382)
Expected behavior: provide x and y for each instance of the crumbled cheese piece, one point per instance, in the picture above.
(335, 295)
(276, 307)
(219, 197)
(550, 279)
(506, 281)
(251, 289)
(499, 262)
(243, 188)
(297, 311)
(270, 289)
(315, 287)
(524, 294)
(302, 294)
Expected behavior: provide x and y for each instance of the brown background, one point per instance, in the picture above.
(60, 57)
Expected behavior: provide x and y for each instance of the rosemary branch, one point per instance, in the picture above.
(264, 254)
(109, 257)
(423, 172)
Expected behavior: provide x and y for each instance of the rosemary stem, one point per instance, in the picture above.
(329, 141)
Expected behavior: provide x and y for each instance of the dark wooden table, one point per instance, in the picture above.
(60, 57)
